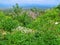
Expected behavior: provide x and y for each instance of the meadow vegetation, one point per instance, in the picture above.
(34, 26)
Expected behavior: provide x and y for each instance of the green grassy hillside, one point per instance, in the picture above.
(30, 27)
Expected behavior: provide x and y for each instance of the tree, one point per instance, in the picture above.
(58, 7)
(17, 9)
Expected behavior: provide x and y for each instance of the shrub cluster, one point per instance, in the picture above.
(49, 37)
(7, 23)
(45, 28)
(24, 18)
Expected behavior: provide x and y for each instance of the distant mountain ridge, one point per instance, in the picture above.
(28, 6)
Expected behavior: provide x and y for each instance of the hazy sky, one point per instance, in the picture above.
(9, 3)
(43, 2)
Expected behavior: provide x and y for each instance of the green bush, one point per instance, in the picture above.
(24, 19)
(17, 9)
(49, 37)
(58, 7)
(47, 20)
(49, 25)
(46, 29)
(19, 38)
(7, 23)
(2, 17)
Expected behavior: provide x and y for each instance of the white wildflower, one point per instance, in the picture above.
(4, 33)
(56, 23)
(24, 29)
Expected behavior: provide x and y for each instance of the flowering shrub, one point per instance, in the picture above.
(23, 29)
(47, 20)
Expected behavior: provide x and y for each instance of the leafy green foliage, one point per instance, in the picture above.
(7, 23)
(19, 38)
(49, 25)
(45, 28)
(58, 7)
(17, 9)
(24, 19)
(46, 20)
(49, 37)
